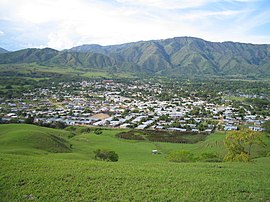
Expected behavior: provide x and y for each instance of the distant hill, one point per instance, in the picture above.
(28, 56)
(169, 57)
(3, 50)
(51, 57)
(187, 55)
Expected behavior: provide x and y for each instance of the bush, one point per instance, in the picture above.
(106, 155)
(83, 130)
(78, 129)
(266, 125)
(181, 156)
(98, 131)
(209, 157)
(29, 120)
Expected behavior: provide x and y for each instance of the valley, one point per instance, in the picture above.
(172, 125)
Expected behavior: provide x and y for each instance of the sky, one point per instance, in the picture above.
(62, 24)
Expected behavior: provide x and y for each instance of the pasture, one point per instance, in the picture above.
(30, 171)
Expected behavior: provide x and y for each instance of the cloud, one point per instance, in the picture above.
(167, 4)
(62, 24)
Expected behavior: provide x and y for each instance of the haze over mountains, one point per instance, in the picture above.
(170, 57)
(3, 50)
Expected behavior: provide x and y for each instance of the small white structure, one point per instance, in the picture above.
(154, 151)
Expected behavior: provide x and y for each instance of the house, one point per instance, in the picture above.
(194, 130)
(177, 129)
(208, 131)
(229, 127)
(141, 127)
(254, 128)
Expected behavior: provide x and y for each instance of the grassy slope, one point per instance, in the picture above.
(72, 180)
(26, 70)
(136, 151)
(140, 151)
(138, 175)
(30, 139)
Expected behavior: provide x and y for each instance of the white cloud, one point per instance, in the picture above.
(168, 4)
(66, 23)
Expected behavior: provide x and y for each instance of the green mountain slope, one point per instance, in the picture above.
(187, 55)
(170, 57)
(28, 56)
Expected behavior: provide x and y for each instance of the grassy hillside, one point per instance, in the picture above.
(39, 72)
(30, 139)
(138, 176)
(44, 179)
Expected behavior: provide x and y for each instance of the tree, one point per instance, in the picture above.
(98, 131)
(239, 144)
(266, 125)
(59, 125)
(106, 155)
(29, 120)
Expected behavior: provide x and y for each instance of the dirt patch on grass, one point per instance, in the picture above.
(100, 116)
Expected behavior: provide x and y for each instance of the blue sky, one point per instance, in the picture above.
(62, 24)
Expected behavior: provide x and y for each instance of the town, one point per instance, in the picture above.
(136, 104)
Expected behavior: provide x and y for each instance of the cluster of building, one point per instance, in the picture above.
(125, 105)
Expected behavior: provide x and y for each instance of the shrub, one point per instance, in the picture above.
(106, 155)
(209, 157)
(83, 130)
(98, 131)
(181, 156)
(78, 129)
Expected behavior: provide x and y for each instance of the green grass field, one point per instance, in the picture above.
(44, 164)
(37, 72)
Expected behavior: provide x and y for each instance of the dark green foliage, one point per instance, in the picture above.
(76, 130)
(106, 155)
(209, 157)
(55, 124)
(83, 130)
(29, 120)
(98, 131)
(163, 136)
(258, 102)
(131, 135)
(59, 125)
(266, 125)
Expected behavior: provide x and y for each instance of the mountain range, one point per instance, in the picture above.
(3, 50)
(168, 57)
